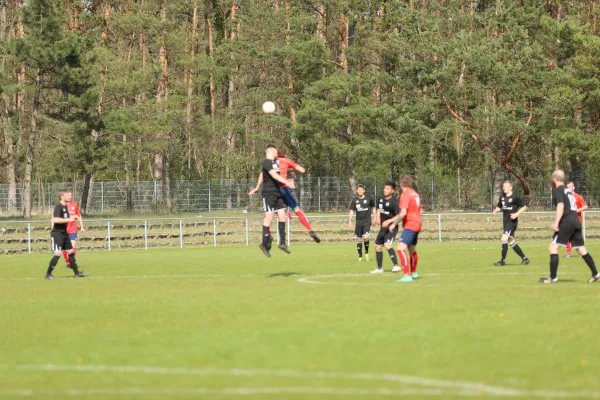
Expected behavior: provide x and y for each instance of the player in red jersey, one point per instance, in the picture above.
(285, 165)
(74, 211)
(581, 206)
(410, 214)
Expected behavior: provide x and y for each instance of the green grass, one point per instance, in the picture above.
(211, 321)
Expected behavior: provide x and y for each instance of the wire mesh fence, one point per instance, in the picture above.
(19, 237)
(464, 191)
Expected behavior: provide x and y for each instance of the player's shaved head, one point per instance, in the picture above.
(271, 152)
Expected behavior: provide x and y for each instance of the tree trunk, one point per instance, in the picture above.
(31, 144)
(209, 49)
(86, 196)
(8, 157)
(190, 88)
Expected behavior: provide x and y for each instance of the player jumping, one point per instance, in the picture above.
(285, 164)
(272, 201)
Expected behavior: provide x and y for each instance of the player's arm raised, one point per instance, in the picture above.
(258, 183)
(300, 169)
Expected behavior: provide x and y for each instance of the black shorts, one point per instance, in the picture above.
(273, 202)
(363, 229)
(385, 236)
(60, 241)
(569, 233)
(509, 230)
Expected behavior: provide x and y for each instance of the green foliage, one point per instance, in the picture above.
(419, 82)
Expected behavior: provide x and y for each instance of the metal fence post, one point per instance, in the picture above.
(209, 197)
(181, 234)
(319, 191)
(432, 191)
(214, 232)
(440, 228)
(492, 176)
(29, 238)
(247, 237)
(289, 232)
(583, 223)
(146, 234)
(108, 225)
(375, 194)
(102, 196)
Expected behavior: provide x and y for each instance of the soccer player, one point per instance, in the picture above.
(511, 206)
(386, 211)
(285, 164)
(567, 228)
(410, 215)
(60, 239)
(581, 206)
(272, 201)
(73, 208)
(364, 206)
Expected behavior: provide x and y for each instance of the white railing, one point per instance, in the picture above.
(109, 234)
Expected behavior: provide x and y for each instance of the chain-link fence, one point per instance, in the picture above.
(18, 237)
(463, 191)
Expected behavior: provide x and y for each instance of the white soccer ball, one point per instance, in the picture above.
(268, 107)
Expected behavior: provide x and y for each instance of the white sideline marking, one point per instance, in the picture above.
(457, 387)
(241, 391)
(316, 279)
(115, 277)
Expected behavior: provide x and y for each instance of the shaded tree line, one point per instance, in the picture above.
(172, 90)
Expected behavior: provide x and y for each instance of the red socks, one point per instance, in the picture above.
(568, 247)
(66, 256)
(403, 255)
(415, 259)
(303, 220)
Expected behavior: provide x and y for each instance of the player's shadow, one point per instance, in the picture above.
(283, 274)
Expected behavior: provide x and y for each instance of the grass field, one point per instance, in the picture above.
(227, 322)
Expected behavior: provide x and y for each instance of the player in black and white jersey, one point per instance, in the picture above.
(387, 208)
(272, 200)
(59, 238)
(511, 206)
(363, 205)
(567, 228)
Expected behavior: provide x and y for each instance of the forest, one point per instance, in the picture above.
(168, 91)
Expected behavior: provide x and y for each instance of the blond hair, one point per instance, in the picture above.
(559, 175)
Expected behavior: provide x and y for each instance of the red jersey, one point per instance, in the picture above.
(579, 202)
(73, 212)
(285, 164)
(411, 202)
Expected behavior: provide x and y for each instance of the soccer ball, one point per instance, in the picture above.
(268, 107)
